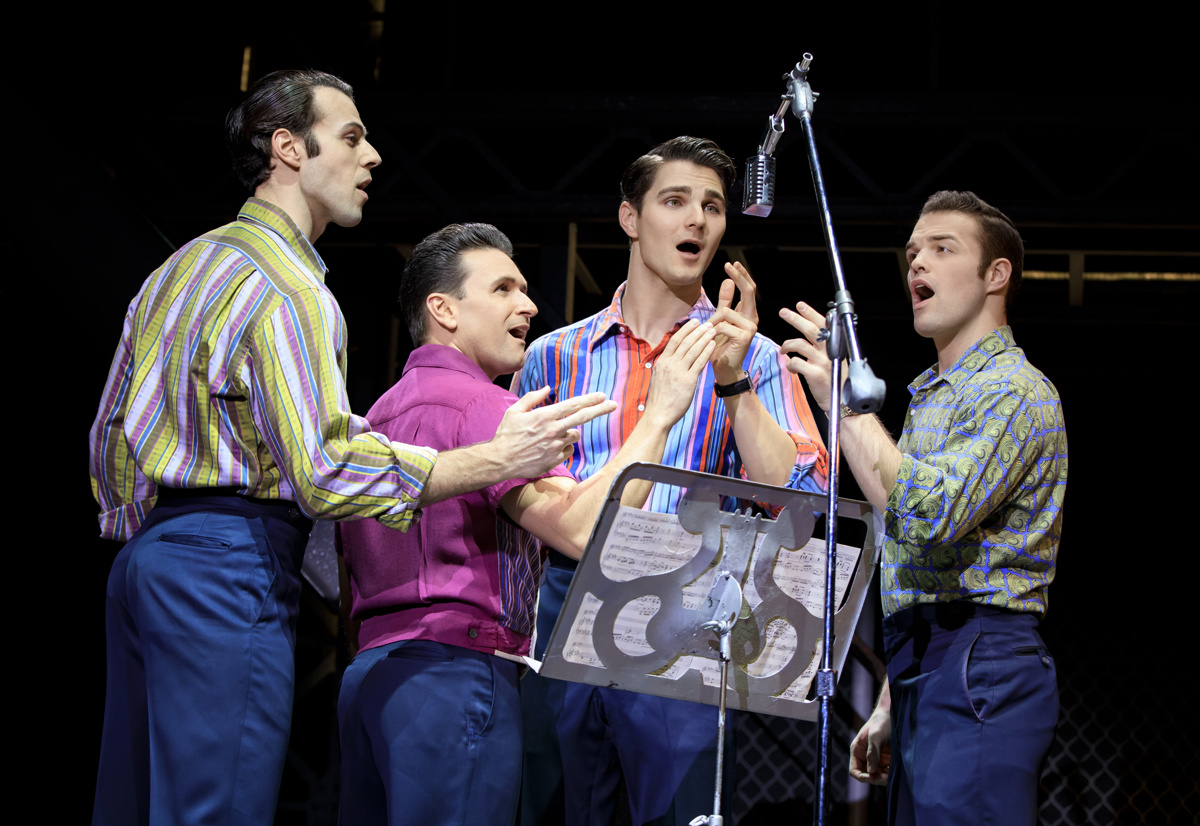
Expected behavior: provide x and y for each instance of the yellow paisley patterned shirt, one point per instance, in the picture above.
(976, 511)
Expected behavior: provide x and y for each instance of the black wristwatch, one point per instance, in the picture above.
(740, 386)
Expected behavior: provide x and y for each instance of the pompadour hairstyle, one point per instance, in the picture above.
(998, 236)
(636, 181)
(280, 100)
(436, 266)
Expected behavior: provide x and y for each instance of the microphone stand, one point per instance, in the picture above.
(863, 392)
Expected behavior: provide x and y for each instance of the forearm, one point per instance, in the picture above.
(561, 512)
(873, 457)
(768, 452)
(884, 704)
(645, 444)
(463, 470)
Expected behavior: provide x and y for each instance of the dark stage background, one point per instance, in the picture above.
(1084, 133)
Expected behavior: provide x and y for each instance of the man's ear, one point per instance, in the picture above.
(627, 216)
(443, 311)
(997, 275)
(288, 148)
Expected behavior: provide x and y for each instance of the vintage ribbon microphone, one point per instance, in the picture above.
(863, 392)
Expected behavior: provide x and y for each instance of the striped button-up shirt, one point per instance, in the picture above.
(601, 353)
(231, 374)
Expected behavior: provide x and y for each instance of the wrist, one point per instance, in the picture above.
(732, 385)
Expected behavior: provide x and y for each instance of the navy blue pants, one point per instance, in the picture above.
(580, 739)
(430, 734)
(201, 627)
(974, 708)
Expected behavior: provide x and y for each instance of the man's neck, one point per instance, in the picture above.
(951, 351)
(288, 199)
(651, 309)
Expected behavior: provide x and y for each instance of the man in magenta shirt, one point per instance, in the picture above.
(428, 712)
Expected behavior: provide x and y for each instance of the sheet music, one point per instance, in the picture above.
(642, 543)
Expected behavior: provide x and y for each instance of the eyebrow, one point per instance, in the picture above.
(684, 189)
(510, 279)
(944, 236)
(353, 124)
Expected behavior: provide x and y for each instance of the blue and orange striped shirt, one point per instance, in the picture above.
(601, 353)
(231, 374)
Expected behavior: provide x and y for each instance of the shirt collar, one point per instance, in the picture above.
(612, 322)
(447, 358)
(972, 361)
(267, 215)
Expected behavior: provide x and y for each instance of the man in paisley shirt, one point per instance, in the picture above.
(972, 500)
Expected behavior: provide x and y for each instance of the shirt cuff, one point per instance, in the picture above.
(415, 464)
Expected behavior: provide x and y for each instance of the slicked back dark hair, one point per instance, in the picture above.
(280, 100)
(636, 181)
(998, 236)
(436, 266)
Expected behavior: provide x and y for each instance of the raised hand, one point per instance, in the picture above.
(813, 363)
(533, 441)
(673, 382)
(735, 326)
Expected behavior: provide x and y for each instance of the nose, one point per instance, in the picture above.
(697, 216)
(527, 308)
(371, 157)
(917, 263)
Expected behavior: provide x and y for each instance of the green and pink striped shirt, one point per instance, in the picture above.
(231, 374)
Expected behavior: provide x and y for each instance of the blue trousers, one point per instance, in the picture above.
(974, 708)
(430, 734)
(200, 626)
(580, 740)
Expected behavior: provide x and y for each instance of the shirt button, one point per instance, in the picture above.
(473, 633)
(648, 365)
(641, 407)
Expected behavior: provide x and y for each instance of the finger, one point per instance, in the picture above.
(565, 408)
(803, 347)
(810, 328)
(741, 276)
(811, 313)
(703, 358)
(699, 334)
(678, 337)
(733, 322)
(587, 414)
(699, 349)
(532, 399)
(748, 306)
(725, 296)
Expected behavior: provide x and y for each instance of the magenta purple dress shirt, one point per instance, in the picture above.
(447, 578)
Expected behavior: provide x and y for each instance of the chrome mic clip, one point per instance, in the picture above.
(800, 94)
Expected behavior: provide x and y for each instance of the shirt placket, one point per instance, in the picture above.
(641, 367)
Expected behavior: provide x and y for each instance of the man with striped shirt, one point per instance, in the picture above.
(749, 418)
(223, 430)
